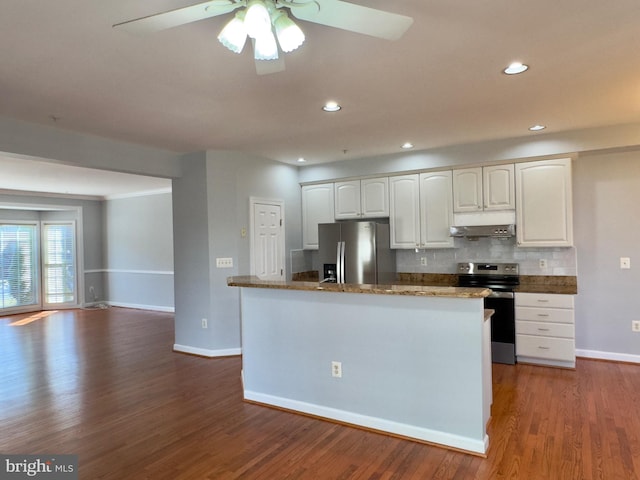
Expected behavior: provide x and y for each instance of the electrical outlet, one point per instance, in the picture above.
(635, 326)
(204, 323)
(224, 262)
(542, 263)
(336, 369)
(423, 261)
(625, 262)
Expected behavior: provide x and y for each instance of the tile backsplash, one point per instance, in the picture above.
(559, 261)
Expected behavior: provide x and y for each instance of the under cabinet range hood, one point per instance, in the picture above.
(475, 231)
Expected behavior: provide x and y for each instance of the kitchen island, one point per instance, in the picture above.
(411, 361)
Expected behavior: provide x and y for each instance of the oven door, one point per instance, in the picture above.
(503, 327)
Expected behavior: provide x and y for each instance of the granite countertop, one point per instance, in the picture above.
(397, 289)
(558, 284)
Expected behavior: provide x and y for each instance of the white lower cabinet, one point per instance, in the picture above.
(545, 329)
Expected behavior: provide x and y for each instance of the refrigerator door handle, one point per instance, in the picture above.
(340, 263)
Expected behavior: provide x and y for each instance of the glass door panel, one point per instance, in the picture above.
(59, 264)
(18, 266)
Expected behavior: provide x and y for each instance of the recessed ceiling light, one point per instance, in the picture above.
(537, 128)
(331, 107)
(516, 68)
(301, 160)
(407, 145)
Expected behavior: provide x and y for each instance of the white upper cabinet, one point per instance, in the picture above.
(436, 209)
(404, 211)
(421, 210)
(317, 207)
(367, 198)
(499, 187)
(544, 204)
(484, 188)
(347, 196)
(467, 190)
(374, 197)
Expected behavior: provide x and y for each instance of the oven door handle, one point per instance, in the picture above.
(495, 294)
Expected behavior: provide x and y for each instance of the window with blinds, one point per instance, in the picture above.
(18, 265)
(58, 263)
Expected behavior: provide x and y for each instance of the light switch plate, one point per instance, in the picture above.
(224, 262)
(625, 262)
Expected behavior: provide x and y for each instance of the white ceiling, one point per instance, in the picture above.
(440, 84)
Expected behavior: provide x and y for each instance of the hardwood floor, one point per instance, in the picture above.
(105, 385)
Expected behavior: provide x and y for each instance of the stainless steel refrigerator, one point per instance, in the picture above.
(356, 252)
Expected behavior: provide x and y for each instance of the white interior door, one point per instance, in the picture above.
(267, 240)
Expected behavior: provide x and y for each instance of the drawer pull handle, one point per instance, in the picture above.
(543, 314)
(543, 348)
(543, 301)
(543, 329)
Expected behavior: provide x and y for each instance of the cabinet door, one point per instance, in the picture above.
(467, 190)
(436, 209)
(544, 206)
(347, 199)
(374, 194)
(404, 211)
(317, 207)
(499, 187)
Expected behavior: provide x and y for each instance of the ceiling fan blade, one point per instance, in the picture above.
(267, 67)
(355, 18)
(179, 16)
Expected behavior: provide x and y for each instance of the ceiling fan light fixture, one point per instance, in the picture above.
(234, 34)
(265, 47)
(257, 20)
(290, 36)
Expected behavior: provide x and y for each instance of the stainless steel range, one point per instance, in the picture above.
(502, 279)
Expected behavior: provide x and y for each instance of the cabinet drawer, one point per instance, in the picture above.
(555, 315)
(543, 329)
(543, 300)
(545, 347)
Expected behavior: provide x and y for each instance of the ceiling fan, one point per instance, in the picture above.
(264, 21)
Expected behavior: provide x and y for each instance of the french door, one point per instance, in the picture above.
(59, 279)
(38, 267)
(19, 286)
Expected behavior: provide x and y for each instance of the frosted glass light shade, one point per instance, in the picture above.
(290, 36)
(257, 20)
(234, 34)
(265, 47)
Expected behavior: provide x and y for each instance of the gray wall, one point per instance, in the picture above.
(138, 251)
(606, 198)
(211, 206)
(607, 227)
(29, 140)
